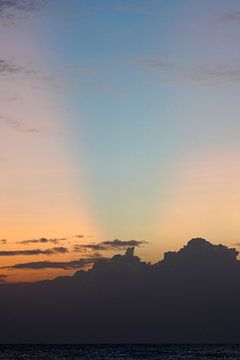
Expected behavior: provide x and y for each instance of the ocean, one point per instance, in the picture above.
(119, 352)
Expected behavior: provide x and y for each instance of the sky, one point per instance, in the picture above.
(118, 120)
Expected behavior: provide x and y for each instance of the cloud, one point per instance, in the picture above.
(10, 8)
(55, 250)
(64, 265)
(213, 74)
(119, 6)
(20, 125)
(7, 68)
(144, 7)
(42, 241)
(109, 245)
(233, 16)
(177, 72)
(3, 241)
(2, 278)
(152, 62)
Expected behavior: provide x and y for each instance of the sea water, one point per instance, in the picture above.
(119, 352)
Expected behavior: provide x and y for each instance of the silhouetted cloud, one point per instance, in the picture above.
(191, 296)
(55, 250)
(109, 245)
(42, 241)
(3, 241)
(2, 278)
(64, 265)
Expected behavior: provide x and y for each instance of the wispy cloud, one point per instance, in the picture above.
(10, 68)
(153, 62)
(139, 6)
(55, 250)
(3, 241)
(202, 74)
(214, 74)
(10, 8)
(233, 16)
(109, 245)
(20, 126)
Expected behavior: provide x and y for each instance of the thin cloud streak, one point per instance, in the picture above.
(55, 250)
(203, 74)
(42, 241)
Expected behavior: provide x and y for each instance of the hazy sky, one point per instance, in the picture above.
(118, 119)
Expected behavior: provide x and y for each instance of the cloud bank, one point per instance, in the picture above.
(191, 296)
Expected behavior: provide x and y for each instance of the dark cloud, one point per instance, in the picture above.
(191, 296)
(2, 278)
(55, 250)
(118, 244)
(109, 245)
(64, 265)
(10, 8)
(3, 241)
(42, 241)
(79, 236)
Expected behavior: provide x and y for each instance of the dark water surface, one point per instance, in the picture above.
(117, 352)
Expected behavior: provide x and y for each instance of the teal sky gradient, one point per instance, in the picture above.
(146, 101)
(148, 84)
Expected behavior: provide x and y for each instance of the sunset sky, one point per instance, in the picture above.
(119, 119)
